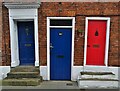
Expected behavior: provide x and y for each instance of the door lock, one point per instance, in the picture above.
(51, 46)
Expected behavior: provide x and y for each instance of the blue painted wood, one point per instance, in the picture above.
(60, 54)
(26, 43)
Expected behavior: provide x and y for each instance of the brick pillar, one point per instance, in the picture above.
(0, 32)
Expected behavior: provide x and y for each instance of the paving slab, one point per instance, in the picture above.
(48, 85)
(53, 85)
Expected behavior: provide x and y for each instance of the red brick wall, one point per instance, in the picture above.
(119, 33)
(30, 1)
(6, 60)
(79, 10)
(0, 33)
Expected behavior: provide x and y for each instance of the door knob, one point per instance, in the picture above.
(88, 45)
(51, 46)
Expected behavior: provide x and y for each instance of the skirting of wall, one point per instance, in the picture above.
(44, 72)
(74, 73)
(3, 71)
(77, 69)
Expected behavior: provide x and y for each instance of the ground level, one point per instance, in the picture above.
(54, 85)
(49, 85)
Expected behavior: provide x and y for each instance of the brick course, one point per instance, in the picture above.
(119, 33)
(79, 10)
(6, 60)
(29, 1)
(0, 33)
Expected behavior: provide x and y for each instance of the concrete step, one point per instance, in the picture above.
(97, 75)
(25, 69)
(23, 75)
(22, 82)
(97, 80)
(97, 83)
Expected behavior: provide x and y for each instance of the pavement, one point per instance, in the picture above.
(52, 85)
(48, 85)
(59, 85)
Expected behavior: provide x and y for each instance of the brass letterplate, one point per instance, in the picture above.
(96, 46)
(27, 45)
(60, 56)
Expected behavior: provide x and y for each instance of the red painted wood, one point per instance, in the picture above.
(96, 41)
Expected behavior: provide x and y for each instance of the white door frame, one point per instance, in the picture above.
(48, 40)
(107, 39)
(13, 18)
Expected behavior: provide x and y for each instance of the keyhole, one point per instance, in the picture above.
(96, 33)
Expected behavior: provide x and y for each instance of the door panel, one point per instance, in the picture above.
(96, 41)
(26, 43)
(60, 54)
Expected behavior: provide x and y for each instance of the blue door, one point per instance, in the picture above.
(26, 43)
(60, 53)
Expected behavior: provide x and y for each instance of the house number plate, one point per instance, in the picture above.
(60, 33)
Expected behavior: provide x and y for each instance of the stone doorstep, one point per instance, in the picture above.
(25, 69)
(87, 83)
(22, 82)
(96, 73)
(26, 66)
(36, 73)
(23, 76)
(98, 76)
(98, 79)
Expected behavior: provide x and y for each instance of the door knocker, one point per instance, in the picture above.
(96, 33)
(27, 30)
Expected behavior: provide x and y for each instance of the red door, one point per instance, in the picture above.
(96, 41)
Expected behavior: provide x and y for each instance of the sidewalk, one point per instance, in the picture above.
(48, 85)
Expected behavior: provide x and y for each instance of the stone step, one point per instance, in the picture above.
(96, 73)
(97, 83)
(25, 69)
(22, 82)
(23, 75)
(97, 80)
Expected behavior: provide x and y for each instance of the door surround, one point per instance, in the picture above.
(16, 15)
(107, 19)
(48, 40)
